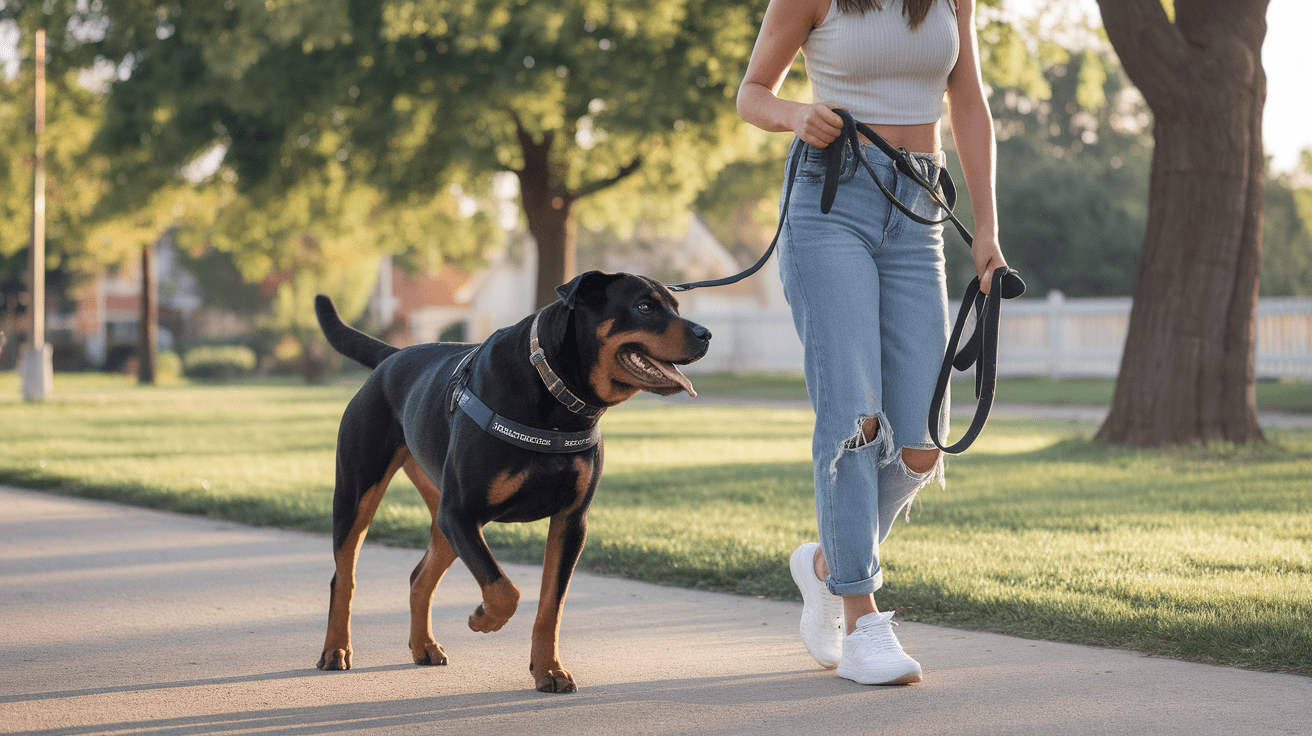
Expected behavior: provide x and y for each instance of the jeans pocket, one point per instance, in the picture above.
(813, 167)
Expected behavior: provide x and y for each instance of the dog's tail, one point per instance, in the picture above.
(347, 340)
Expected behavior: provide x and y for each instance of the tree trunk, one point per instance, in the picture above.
(548, 204)
(547, 208)
(147, 347)
(1187, 374)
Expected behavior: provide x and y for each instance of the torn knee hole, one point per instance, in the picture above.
(919, 461)
(867, 432)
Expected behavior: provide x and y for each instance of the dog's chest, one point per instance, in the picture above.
(545, 489)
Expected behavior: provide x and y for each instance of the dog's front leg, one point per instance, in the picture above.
(500, 596)
(564, 544)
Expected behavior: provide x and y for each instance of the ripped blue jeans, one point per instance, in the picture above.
(868, 292)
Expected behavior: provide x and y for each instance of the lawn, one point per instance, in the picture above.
(1198, 553)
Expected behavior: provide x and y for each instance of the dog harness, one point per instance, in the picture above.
(522, 435)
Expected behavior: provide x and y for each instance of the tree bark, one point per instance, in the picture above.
(147, 347)
(1187, 374)
(548, 204)
(547, 208)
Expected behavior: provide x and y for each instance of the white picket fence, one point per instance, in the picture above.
(1055, 337)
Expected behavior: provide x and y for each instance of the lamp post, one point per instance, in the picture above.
(36, 362)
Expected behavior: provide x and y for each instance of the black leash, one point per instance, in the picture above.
(981, 349)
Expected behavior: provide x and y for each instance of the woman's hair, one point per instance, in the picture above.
(914, 10)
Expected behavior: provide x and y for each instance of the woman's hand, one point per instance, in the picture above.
(988, 257)
(817, 124)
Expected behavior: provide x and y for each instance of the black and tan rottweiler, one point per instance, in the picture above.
(505, 430)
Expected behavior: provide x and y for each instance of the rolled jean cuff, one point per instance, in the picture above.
(860, 587)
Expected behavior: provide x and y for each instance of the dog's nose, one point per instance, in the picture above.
(701, 332)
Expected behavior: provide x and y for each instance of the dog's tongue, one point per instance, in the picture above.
(670, 371)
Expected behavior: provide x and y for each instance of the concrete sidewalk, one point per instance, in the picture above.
(119, 620)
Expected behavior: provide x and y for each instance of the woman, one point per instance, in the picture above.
(867, 285)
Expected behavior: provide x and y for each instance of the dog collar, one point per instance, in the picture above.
(553, 382)
(520, 435)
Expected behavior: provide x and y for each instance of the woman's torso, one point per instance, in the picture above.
(888, 75)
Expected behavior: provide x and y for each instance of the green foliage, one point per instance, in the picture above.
(1072, 179)
(218, 362)
(1287, 234)
(168, 366)
(73, 187)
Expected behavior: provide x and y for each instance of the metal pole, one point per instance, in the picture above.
(39, 202)
(37, 373)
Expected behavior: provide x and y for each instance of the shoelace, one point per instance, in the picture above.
(879, 636)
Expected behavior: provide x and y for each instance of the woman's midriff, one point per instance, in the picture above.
(914, 138)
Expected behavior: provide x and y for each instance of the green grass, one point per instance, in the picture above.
(1197, 553)
(1284, 396)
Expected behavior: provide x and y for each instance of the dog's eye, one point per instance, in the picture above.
(646, 307)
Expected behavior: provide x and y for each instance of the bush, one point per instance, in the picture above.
(454, 332)
(168, 366)
(218, 362)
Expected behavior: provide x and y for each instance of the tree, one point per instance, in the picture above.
(419, 102)
(72, 182)
(1187, 374)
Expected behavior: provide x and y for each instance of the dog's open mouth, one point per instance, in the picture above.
(656, 376)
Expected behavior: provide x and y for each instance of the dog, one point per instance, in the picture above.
(505, 431)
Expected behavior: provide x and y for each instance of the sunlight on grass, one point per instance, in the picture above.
(1202, 553)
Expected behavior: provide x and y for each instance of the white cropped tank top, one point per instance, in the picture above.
(874, 64)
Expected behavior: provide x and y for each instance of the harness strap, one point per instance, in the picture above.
(520, 435)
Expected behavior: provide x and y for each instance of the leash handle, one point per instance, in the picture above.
(903, 162)
(981, 350)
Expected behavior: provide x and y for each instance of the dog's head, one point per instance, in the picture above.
(633, 325)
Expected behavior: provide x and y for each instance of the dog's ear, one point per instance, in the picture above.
(584, 284)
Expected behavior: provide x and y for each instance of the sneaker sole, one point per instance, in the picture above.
(863, 678)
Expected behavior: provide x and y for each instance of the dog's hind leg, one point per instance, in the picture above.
(351, 523)
(427, 575)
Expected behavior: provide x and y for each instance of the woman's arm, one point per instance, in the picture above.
(972, 130)
(784, 29)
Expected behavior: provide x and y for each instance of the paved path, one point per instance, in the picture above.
(118, 620)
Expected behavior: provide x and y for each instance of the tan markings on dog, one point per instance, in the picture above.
(500, 599)
(609, 379)
(611, 382)
(549, 675)
(427, 574)
(505, 485)
(337, 643)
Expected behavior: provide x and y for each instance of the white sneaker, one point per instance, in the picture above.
(822, 612)
(873, 656)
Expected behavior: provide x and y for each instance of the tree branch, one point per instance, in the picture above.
(1152, 49)
(597, 186)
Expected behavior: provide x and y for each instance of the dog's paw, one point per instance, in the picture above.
(554, 681)
(430, 654)
(488, 621)
(337, 659)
